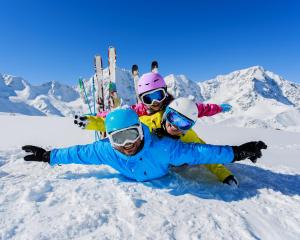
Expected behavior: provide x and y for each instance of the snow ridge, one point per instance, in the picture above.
(260, 98)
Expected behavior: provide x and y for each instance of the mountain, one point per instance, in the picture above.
(259, 97)
(20, 97)
(181, 86)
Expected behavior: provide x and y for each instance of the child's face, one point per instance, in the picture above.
(155, 107)
(172, 130)
(130, 148)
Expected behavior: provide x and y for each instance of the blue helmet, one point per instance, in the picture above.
(120, 119)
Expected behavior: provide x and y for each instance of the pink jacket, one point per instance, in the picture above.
(203, 110)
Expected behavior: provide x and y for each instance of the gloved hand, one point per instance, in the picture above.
(232, 181)
(159, 132)
(37, 154)
(90, 123)
(80, 121)
(226, 107)
(251, 150)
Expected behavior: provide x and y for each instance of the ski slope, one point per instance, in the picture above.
(95, 202)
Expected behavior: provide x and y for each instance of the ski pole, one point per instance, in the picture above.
(82, 87)
(97, 137)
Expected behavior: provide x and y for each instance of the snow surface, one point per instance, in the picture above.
(95, 202)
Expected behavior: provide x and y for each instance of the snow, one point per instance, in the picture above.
(95, 202)
(260, 98)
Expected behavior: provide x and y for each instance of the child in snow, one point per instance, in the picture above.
(133, 151)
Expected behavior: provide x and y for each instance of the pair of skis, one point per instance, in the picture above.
(135, 75)
(107, 97)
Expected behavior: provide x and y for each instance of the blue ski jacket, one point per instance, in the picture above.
(151, 162)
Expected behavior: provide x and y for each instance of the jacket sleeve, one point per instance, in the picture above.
(207, 109)
(219, 170)
(95, 153)
(197, 153)
(95, 123)
(140, 109)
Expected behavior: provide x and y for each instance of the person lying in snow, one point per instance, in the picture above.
(176, 122)
(139, 155)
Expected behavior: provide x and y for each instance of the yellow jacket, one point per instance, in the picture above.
(154, 121)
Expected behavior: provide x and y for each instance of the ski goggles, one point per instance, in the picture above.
(156, 95)
(127, 135)
(181, 122)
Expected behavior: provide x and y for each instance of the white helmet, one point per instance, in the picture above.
(185, 107)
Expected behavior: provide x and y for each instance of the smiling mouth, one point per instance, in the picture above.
(129, 146)
(155, 104)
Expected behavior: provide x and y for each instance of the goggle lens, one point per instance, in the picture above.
(180, 121)
(126, 136)
(155, 96)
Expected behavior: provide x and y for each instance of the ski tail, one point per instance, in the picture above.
(135, 75)
(99, 80)
(154, 67)
(114, 100)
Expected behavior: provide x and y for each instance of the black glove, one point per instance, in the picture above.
(251, 150)
(80, 121)
(160, 132)
(231, 181)
(37, 154)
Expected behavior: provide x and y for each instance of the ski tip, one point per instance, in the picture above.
(134, 69)
(154, 66)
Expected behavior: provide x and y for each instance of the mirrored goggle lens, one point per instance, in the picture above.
(158, 96)
(128, 135)
(179, 121)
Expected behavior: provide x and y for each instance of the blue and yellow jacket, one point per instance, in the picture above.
(151, 162)
(153, 122)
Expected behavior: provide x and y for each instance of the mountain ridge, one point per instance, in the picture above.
(260, 98)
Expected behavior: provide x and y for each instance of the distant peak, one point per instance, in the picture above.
(256, 68)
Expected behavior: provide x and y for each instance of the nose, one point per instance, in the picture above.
(174, 127)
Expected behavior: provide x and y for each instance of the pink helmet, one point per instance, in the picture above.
(150, 81)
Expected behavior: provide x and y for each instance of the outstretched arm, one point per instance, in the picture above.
(207, 109)
(196, 153)
(95, 153)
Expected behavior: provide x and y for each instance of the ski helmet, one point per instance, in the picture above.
(185, 107)
(120, 119)
(150, 81)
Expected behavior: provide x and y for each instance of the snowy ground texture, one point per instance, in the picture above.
(95, 202)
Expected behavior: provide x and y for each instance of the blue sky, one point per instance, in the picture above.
(57, 39)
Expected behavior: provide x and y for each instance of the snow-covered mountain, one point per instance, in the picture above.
(20, 97)
(17, 96)
(259, 97)
(181, 86)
